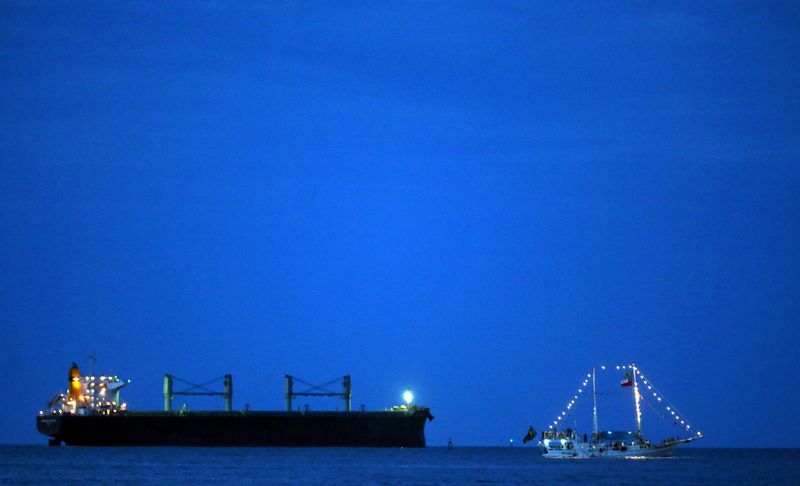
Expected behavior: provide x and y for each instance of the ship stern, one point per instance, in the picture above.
(50, 425)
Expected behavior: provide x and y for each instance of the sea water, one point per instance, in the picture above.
(433, 465)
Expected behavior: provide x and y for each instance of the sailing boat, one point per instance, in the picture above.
(559, 441)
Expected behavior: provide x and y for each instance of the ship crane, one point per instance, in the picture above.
(319, 390)
(198, 390)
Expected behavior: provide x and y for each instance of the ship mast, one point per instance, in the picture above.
(594, 409)
(636, 400)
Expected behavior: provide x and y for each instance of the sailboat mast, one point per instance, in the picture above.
(636, 400)
(594, 409)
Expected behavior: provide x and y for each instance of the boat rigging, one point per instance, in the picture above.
(562, 441)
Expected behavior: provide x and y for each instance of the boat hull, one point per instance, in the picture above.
(583, 450)
(321, 429)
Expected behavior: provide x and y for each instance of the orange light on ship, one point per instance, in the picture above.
(74, 392)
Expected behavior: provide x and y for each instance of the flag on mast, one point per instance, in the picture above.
(628, 381)
(530, 435)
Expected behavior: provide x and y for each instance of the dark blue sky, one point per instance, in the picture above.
(474, 201)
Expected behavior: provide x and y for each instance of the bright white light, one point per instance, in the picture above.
(408, 397)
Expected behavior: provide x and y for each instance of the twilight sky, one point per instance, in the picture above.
(478, 201)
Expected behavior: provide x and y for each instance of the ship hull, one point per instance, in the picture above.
(583, 450)
(285, 429)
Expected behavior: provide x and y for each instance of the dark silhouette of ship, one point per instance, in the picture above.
(91, 414)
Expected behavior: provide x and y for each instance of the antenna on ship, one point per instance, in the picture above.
(92, 359)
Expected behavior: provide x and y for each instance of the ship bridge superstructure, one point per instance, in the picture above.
(89, 395)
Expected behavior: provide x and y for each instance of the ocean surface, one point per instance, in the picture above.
(433, 465)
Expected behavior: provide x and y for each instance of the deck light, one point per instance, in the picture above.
(408, 397)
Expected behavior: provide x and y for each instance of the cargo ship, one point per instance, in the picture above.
(91, 413)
